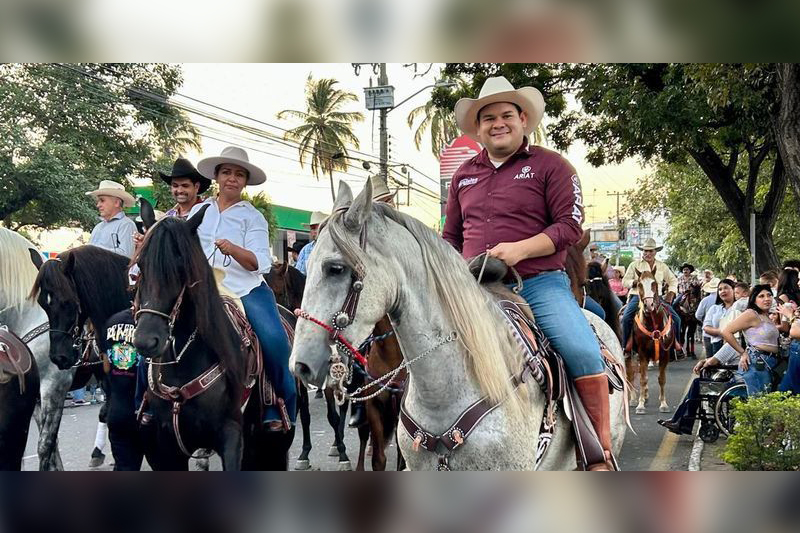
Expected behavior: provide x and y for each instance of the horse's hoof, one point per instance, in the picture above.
(650, 365)
(640, 410)
(333, 452)
(664, 409)
(302, 464)
(345, 466)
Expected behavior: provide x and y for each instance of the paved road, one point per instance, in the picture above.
(651, 448)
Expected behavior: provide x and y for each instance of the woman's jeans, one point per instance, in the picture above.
(563, 322)
(791, 379)
(262, 312)
(759, 381)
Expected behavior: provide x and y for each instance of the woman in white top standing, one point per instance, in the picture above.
(235, 238)
(714, 316)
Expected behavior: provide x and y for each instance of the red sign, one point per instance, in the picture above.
(458, 151)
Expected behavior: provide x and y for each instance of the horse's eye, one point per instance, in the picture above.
(334, 269)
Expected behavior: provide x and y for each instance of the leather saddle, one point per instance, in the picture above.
(544, 363)
(16, 358)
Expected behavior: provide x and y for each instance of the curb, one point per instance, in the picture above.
(696, 457)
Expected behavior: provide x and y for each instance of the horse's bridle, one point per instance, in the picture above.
(341, 372)
(171, 318)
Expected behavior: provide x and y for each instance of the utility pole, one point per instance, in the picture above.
(617, 194)
(383, 80)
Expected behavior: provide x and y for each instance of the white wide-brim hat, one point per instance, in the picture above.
(234, 156)
(380, 191)
(649, 244)
(317, 218)
(711, 286)
(494, 90)
(117, 190)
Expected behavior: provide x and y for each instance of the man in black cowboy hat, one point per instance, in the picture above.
(186, 185)
(686, 281)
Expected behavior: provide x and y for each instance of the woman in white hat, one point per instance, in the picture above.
(235, 238)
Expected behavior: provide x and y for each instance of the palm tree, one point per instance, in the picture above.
(325, 129)
(440, 122)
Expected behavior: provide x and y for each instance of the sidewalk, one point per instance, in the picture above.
(710, 460)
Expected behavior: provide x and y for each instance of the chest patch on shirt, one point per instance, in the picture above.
(525, 174)
(467, 181)
(122, 355)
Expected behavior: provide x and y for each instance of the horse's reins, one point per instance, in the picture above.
(656, 335)
(171, 318)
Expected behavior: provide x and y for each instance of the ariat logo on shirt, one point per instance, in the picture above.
(577, 214)
(467, 181)
(525, 174)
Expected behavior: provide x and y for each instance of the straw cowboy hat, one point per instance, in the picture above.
(117, 190)
(649, 244)
(234, 156)
(711, 286)
(182, 168)
(494, 90)
(317, 218)
(380, 191)
(620, 268)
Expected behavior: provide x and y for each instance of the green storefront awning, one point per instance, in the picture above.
(291, 218)
(147, 194)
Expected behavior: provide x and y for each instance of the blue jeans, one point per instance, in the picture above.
(262, 312)
(630, 310)
(791, 379)
(563, 322)
(758, 381)
(590, 305)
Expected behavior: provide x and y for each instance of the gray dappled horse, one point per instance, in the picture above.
(22, 315)
(461, 347)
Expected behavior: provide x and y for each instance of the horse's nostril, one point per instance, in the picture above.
(302, 371)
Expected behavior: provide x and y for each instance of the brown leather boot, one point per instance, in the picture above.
(593, 391)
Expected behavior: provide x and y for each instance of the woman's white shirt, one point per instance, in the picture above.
(243, 225)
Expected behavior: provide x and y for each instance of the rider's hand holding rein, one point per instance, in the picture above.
(244, 257)
(512, 253)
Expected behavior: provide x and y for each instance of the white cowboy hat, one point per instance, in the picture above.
(380, 191)
(649, 244)
(494, 90)
(711, 286)
(117, 190)
(234, 156)
(317, 218)
(620, 268)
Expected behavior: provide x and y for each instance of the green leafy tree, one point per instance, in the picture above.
(717, 117)
(263, 205)
(326, 130)
(63, 128)
(440, 123)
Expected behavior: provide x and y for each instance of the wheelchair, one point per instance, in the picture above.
(719, 386)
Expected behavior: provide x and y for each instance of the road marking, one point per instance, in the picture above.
(669, 442)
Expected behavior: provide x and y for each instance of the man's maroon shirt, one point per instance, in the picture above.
(535, 191)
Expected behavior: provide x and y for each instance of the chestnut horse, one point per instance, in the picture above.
(652, 339)
(383, 411)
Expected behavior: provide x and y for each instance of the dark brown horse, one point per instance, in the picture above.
(652, 339)
(598, 288)
(383, 411)
(689, 323)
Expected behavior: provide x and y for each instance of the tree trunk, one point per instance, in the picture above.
(333, 192)
(766, 254)
(787, 123)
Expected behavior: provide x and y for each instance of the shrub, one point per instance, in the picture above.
(767, 433)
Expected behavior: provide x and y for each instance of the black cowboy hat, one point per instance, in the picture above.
(182, 168)
(296, 247)
(687, 265)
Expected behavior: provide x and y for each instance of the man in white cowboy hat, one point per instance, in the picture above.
(115, 231)
(664, 276)
(523, 204)
(317, 218)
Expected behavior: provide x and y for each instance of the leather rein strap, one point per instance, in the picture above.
(656, 335)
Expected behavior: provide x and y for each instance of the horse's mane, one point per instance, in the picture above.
(172, 251)
(575, 265)
(598, 288)
(100, 278)
(17, 273)
(492, 354)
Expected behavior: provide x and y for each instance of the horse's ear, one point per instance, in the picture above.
(359, 211)
(147, 213)
(197, 219)
(36, 257)
(604, 266)
(654, 271)
(638, 274)
(68, 262)
(587, 236)
(344, 197)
